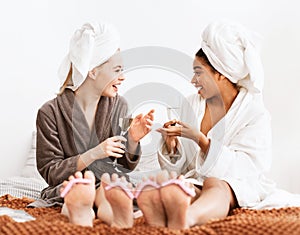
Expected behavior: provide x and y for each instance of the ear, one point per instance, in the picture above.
(221, 77)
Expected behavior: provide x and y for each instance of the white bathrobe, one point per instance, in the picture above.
(239, 152)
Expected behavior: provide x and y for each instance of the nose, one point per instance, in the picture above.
(121, 78)
(194, 80)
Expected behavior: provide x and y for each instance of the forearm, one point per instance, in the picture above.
(131, 146)
(132, 150)
(203, 142)
(99, 152)
(85, 160)
(133, 154)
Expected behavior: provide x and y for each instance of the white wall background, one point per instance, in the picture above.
(35, 36)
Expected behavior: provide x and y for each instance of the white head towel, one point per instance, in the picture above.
(234, 52)
(90, 46)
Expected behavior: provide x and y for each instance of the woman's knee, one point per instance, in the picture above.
(223, 188)
(217, 184)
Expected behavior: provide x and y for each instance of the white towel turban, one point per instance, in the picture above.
(234, 52)
(90, 46)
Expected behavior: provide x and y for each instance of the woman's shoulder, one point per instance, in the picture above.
(48, 107)
(255, 106)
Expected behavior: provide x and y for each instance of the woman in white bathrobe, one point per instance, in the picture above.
(223, 138)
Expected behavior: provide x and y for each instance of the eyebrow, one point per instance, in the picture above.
(118, 66)
(197, 67)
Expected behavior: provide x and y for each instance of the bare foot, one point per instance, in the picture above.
(150, 203)
(80, 199)
(104, 211)
(176, 202)
(120, 203)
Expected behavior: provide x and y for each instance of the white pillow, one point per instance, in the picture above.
(30, 183)
(17, 186)
(30, 168)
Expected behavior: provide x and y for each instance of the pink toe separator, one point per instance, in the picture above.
(181, 183)
(144, 184)
(72, 182)
(121, 185)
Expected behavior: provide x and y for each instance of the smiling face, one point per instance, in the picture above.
(205, 79)
(108, 76)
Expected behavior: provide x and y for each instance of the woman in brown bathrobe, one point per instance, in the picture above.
(79, 129)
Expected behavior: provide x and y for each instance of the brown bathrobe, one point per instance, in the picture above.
(63, 134)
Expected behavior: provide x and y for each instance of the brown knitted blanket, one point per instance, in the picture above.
(240, 221)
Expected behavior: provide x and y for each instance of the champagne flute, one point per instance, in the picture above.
(124, 124)
(173, 113)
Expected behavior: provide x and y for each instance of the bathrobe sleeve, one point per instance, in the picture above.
(51, 161)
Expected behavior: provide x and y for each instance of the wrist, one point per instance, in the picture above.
(132, 139)
(203, 143)
(131, 145)
(86, 158)
(95, 153)
(196, 137)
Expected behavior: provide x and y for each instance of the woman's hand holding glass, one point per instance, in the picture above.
(170, 141)
(184, 130)
(111, 147)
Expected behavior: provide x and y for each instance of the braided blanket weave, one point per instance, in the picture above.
(240, 221)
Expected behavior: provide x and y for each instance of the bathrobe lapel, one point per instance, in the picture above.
(82, 138)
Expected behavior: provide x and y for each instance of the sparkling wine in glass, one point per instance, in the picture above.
(173, 113)
(124, 124)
